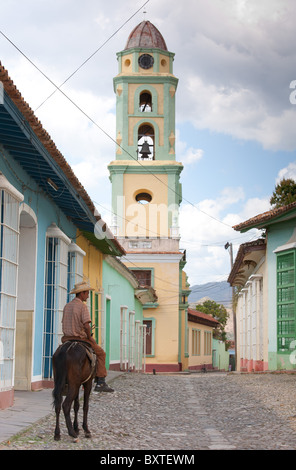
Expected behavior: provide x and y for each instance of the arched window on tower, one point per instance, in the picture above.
(145, 104)
(146, 142)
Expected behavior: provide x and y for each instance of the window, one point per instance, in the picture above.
(207, 343)
(143, 276)
(149, 332)
(131, 341)
(9, 243)
(285, 300)
(195, 342)
(123, 337)
(56, 283)
(75, 267)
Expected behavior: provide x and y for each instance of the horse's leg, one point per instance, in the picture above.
(57, 432)
(71, 395)
(76, 409)
(87, 390)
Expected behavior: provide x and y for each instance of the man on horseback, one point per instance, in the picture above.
(76, 326)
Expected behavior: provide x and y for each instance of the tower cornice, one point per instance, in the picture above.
(153, 78)
(128, 166)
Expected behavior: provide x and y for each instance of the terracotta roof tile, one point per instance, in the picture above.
(47, 142)
(265, 217)
(201, 317)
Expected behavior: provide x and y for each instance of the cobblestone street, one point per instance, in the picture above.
(210, 411)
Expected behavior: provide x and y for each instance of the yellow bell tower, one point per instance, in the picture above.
(146, 189)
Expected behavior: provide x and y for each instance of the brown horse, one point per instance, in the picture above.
(73, 365)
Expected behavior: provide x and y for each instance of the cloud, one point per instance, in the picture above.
(236, 67)
(287, 172)
(207, 227)
(192, 155)
(235, 61)
(240, 112)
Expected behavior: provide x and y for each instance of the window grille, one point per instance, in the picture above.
(75, 268)
(9, 243)
(98, 316)
(143, 276)
(285, 300)
(123, 338)
(56, 283)
(139, 345)
(131, 341)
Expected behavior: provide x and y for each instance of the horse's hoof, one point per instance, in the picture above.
(57, 437)
(87, 435)
(76, 439)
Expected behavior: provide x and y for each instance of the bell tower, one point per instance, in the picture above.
(145, 177)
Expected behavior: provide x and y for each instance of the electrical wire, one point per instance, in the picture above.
(91, 56)
(106, 133)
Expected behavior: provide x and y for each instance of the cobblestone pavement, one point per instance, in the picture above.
(181, 412)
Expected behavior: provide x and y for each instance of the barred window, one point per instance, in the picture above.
(75, 267)
(285, 300)
(143, 276)
(56, 282)
(10, 199)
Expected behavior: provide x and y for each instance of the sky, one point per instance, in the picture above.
(235, 102)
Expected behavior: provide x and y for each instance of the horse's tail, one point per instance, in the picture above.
(60, 375)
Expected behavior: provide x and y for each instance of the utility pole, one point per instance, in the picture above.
(229, 245)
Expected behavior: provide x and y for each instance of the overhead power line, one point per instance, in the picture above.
(92, 55)
(106, 133)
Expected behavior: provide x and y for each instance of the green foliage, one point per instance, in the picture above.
(219, 312)
(284, 193)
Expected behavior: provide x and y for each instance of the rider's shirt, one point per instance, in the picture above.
(74, 316)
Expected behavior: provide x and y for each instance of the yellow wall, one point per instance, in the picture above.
(146, 219)
(92, 268)
(166, 277)
(194, 361)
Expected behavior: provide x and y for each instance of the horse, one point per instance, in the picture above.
(73, 365)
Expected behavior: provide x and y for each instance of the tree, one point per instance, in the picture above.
(284, 193)
(220, 314)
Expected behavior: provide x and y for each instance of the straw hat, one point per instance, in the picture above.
(81, 287)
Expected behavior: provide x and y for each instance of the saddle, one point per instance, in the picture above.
(89, 350)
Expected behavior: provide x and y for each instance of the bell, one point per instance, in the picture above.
(145, 150)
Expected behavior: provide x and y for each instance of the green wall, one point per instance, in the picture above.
(118, 292)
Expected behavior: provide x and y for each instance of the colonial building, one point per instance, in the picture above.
(48, 243)
(249, 276)
(200, 340)
(265, 273)
(146, 190)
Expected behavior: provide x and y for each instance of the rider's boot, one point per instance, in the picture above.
(101, 385)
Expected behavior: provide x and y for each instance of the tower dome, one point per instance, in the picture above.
(146, 36)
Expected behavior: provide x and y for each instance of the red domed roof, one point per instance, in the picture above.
(146, 35)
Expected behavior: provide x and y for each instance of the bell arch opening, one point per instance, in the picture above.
(145, 104)
(146, 139)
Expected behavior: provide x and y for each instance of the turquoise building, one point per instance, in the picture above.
(125, 331)
(269, 283)
(42, 206)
